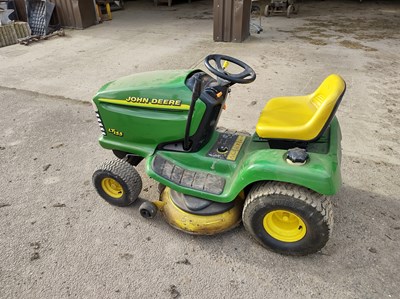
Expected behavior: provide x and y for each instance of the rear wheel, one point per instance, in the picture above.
(295, 9)
(289, 10)
(255, 9)
(117, 182)
(267, 10)
(288, 219)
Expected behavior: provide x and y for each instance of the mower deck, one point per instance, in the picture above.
(212, 219)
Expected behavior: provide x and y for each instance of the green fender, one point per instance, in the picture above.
(257, 162)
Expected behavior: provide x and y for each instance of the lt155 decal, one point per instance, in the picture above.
(115, 132)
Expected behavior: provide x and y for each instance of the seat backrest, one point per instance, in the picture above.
(326, 99)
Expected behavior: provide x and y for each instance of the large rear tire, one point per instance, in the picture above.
(117, 182)
(288, 219)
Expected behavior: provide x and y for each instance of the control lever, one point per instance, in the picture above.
(195, 96)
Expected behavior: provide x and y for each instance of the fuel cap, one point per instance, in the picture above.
(296, 156)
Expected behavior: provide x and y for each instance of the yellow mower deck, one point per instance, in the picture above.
(198, 224)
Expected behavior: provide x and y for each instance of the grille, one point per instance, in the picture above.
(103, 130)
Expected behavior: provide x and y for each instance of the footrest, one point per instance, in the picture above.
(197, 180)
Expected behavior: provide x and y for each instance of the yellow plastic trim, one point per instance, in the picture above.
(197, 224)
(112, 188)
(108, 9)
(300, 117)
(284, 226)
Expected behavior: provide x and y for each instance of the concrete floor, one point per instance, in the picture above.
(58, 239)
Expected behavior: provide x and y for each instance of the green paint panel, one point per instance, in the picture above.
(140, 129)
(152, 85)
(257, 162)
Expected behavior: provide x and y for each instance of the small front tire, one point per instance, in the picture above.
(288, 219)
(117, 182)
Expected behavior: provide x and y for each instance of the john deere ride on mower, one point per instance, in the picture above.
(276, 181)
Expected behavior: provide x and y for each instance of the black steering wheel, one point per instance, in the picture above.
(248, 75)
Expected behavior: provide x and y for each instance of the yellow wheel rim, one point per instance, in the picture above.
(284, 226)
(112, 188)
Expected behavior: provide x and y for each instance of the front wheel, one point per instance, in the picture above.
(289, 10)
(148, 210)
(288, 219)
(117, 182)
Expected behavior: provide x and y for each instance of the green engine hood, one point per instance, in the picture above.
(164, 88)
(137, 113)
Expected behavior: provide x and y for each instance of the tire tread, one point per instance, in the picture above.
(319, 202)
(125, 172)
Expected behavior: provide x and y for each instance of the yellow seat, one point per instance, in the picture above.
(302, 117)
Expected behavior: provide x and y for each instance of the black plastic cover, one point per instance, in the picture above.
(297, 155)
(199, 206)
(197, 180)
